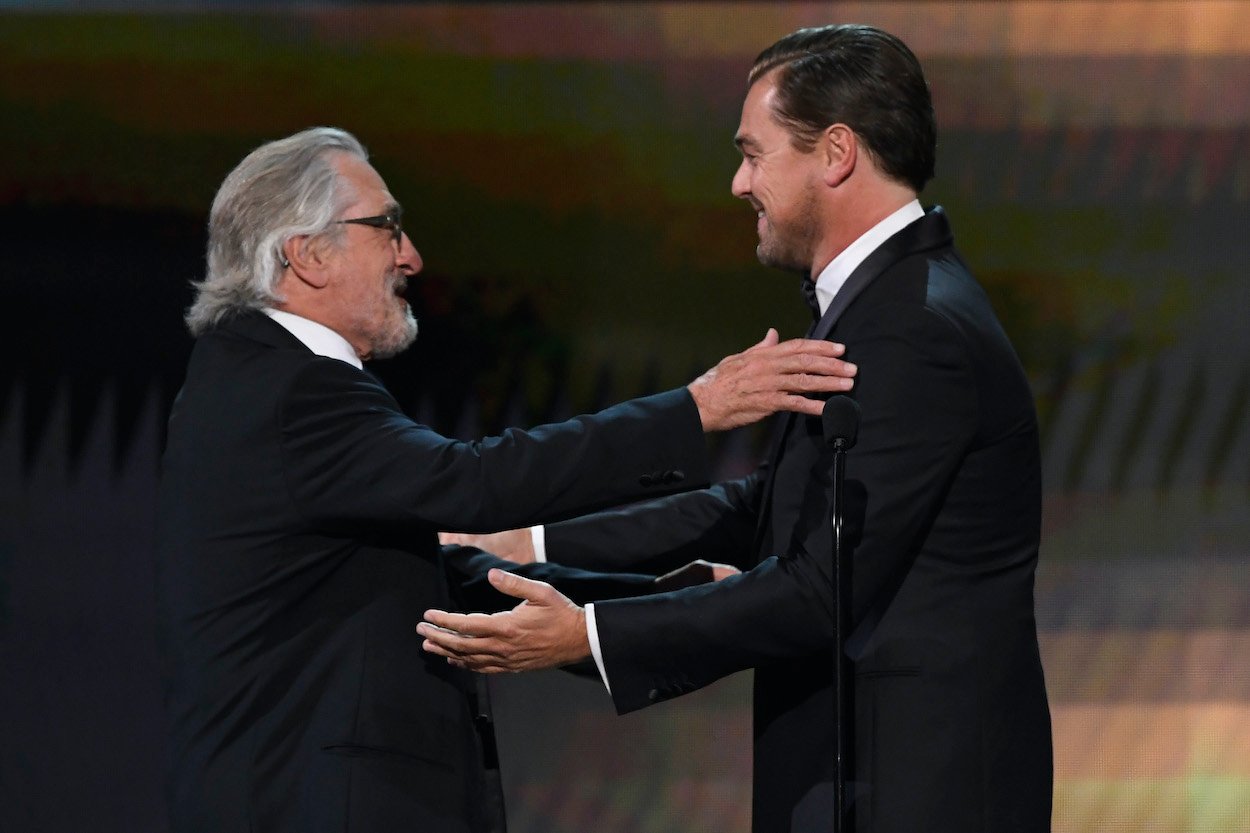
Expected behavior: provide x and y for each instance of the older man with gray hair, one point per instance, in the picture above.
(299, 509)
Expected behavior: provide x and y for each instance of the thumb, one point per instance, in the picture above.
(770, 338)
(519, 587)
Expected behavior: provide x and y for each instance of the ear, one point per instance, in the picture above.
(840, 147)
(307, 259)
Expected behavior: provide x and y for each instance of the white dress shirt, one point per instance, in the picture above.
(316, 337)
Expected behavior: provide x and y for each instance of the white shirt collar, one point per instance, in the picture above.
(316, 337)
(840, 268)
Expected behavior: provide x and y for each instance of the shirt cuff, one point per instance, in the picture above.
(538, 537)
(592, 636)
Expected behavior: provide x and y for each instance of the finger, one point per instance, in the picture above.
(453, 641)
(796, 362)
(432, 647)
(443, 619)
(819, 365)
(468, 662)
(773, 393)
(446, 538)
(803, 405)
(468, 650)
(468, 624)
(811, 346)
(484, 663)
(807, 383)
(520, 587)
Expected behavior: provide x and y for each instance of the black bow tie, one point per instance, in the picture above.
(809, 295)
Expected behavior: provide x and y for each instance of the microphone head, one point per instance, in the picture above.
(840, 420)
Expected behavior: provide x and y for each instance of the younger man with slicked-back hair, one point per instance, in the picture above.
(952, 727)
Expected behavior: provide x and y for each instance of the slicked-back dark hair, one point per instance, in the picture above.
(864, 78)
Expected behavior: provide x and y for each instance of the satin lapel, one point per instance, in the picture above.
(929, 232)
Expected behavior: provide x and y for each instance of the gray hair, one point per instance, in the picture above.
(283, 189)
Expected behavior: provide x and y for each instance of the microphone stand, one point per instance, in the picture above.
(840, 420)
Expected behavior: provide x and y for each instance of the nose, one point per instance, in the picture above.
(741, 185)
(409, 259)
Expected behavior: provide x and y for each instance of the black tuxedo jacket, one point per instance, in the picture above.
(297, 552)
(952, 729)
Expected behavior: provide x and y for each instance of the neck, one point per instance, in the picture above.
(855, 218)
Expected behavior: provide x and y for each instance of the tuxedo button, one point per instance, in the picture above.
(674, 476)
(653, 695)
(647, 480)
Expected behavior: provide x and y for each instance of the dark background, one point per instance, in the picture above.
(565, 174)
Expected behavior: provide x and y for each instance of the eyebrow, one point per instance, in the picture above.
(742, 142)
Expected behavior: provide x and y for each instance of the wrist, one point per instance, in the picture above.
(698, 394)
(580, 647)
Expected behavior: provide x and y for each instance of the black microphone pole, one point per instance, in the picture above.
(840, 421)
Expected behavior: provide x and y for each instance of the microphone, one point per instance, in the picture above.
(840, 421)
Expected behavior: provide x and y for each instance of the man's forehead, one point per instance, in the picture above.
(365, 181)
(756, 112)
(759, 99)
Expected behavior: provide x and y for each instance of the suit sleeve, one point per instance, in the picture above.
(919, 413)
(350, 455)
(655, 536)
(467, 568)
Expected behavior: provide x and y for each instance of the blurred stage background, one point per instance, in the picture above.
(565, 172)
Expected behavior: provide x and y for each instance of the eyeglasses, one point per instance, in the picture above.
(389, 221)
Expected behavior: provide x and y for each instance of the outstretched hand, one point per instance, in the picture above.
(768, 377)
(544, 631)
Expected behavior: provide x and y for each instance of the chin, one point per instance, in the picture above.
(780, 260)
(399, 339)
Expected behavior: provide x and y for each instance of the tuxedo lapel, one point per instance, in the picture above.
(929, 232)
